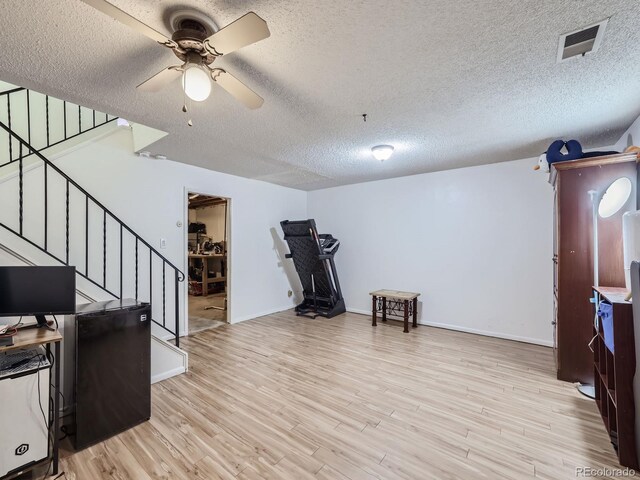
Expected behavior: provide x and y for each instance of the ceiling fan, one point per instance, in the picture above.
(197, 45)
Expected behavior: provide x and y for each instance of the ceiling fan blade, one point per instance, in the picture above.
(123, 17)
(237, 89)
(248, 29)
(160, 80)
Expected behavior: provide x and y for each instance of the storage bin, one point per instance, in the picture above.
(605, 312)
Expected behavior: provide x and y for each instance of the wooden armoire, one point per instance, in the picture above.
(573, 254)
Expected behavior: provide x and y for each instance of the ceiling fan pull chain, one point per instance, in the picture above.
(184, 96)
(185, 100)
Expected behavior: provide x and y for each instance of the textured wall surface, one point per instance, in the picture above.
(449, 83)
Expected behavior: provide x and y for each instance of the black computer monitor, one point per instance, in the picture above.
(37, 291)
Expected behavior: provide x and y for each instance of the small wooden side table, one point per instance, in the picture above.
(29, 338)
(394, 303)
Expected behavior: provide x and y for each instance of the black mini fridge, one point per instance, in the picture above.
(113, 369)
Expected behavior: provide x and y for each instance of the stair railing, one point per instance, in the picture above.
(45, 121)
(73, 199)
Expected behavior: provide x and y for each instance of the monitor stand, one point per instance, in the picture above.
(42, 322)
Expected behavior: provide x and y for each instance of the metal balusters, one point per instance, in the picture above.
(177, 308)
(28, 118)
(121, 261)
(136, 268)
(25, 150)
(86, 236)
(67, 221)
(164, 296)
(151, 280)
(104, 248)
(20, 190)
(46, 207)
(24, 97)
(46, 100)
(9, 122)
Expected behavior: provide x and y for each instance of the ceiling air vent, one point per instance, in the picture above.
(581, 42)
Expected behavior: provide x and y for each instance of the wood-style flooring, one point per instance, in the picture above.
(286, 397)
(201, 317)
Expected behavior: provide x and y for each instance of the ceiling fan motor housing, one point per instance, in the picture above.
(189, 37)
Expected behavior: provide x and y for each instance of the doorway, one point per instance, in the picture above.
(207, 251)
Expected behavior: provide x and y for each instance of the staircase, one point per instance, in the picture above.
(47, 212)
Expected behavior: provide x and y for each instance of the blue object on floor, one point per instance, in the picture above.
(605, 312)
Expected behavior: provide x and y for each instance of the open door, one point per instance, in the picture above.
(207, 250)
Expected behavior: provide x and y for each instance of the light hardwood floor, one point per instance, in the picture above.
(201, 318)
(285, 397)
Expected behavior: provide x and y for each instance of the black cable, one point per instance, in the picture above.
(17, 324)
(51, 358)
(56, 320)
(66, 432)
(64, 400)
(44, 417)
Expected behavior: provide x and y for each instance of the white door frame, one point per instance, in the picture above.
(185, 250)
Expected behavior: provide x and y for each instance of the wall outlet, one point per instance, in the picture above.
(163, 243)
(289, 293)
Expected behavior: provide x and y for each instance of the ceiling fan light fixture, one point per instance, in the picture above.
(382, 152)
(196, 83)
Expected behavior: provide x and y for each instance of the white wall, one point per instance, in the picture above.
(476, 242)
(150, 196)
(214, 218)
(37, 135)
(630, 137)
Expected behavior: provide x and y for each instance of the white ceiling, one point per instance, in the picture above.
(450, 83)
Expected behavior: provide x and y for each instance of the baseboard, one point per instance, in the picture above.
(168, 374)
(475, 331)
(262, 314)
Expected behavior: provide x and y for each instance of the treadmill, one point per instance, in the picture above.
(312, 255)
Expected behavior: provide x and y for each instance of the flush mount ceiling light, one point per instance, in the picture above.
(382, 152)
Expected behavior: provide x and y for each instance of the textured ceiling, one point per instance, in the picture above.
(449, 83)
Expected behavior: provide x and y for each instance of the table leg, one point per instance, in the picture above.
(205, 277)
(374, 306)
(415, 312)
(56, 410)
(384, 309)
(406, 316)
